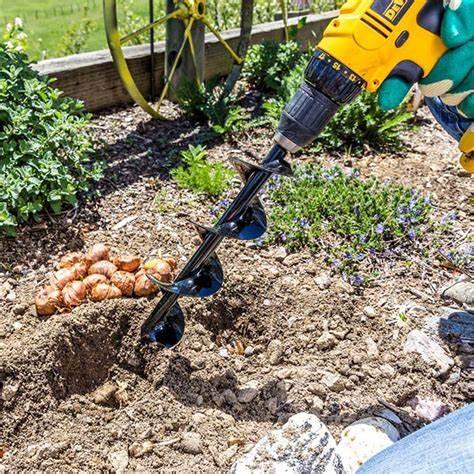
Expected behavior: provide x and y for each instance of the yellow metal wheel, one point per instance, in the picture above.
(187, 11)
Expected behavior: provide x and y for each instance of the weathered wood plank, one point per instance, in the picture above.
(92, 78)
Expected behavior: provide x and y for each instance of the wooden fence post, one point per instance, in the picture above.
(174, 39)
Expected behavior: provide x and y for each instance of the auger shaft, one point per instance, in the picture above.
(272, 163)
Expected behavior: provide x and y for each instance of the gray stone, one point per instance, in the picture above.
(275, 351)
(430, 351)
(247, 394)
(302, 445)
(191, 443)
(462, 292)
(229, 396)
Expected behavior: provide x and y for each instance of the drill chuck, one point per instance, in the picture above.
(327, 85)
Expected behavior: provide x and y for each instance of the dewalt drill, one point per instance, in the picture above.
(370, 41)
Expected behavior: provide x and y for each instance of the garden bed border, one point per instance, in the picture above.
(92, 78)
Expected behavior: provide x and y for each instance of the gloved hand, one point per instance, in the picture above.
(452, 79)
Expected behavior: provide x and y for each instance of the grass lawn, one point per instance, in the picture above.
(46, 21)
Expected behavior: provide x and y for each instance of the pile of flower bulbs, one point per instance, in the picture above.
(97, 276)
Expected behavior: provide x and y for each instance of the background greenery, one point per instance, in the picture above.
(47, 22)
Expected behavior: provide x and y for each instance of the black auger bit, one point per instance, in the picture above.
(203, 275)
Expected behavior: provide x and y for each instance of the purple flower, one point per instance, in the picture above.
(357, 280)
(402, 220)
(336, 263)
(355, 173)
(283, 237)
(453, 216)
(411, 233)
(327, 176)
(360, 257)
(348, 255)
(372, 251)
(363, 239)
(344, 275)
(379, 229)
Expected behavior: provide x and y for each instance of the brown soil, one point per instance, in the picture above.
(53, 418)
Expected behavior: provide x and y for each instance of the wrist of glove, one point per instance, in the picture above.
(452, 79)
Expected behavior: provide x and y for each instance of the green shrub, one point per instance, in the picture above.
(200, 176)
(268, 63)
(76, 36)
(355, 125)
(45, 149)
(205, 101)
(351, 218)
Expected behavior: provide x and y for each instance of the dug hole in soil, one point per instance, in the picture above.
(79, 391)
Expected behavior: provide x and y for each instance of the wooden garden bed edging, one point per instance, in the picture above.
(92, 78)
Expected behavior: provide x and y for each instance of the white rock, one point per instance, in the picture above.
(370, 312)
(323, 281)
(363, 439)
(430, 351)
(191, 443)
(429, 410)
(119, 460)
(302, 445)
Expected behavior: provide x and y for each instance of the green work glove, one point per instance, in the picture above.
(452, 79)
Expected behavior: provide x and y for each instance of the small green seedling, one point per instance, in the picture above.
(200, 176)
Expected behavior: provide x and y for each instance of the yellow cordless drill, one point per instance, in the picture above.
(370, 41)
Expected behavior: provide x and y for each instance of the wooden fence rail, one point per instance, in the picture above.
(92, 78)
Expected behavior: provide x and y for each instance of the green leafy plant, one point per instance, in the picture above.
(351, 218)
(45, 149)
(356, 125)
(205, 101)
(77, 35)
(200, 176)
(268, 63)
(130, 21)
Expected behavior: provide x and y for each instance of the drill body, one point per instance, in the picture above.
(370, 41)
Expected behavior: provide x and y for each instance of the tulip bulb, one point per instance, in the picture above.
(74, 293)
(103, 267)
(62, 277)
(105, 291)
(98, 252)
(127, 263)
(124, 281)
(48, 300)
(92, 280)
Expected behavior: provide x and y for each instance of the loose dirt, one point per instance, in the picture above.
(79, 390)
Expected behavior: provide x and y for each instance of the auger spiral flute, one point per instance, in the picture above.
(369, 42)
